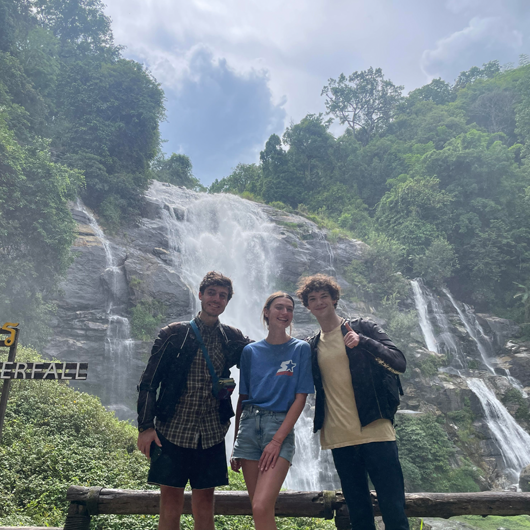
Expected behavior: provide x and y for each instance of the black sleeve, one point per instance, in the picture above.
(236, 342)
(375, 341)
(152, 377)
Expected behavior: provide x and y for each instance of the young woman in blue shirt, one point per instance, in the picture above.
(275, 378)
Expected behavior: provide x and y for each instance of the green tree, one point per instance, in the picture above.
(36, 227)
(365, 101)
(176, 170)
(414, 212)
(80, 25)
(425, 453)
(522, 110)
(437, 264)
(278, 181)
(437, 91)
(488, 71)
(107, 126)
(244, 178)
(309, 152)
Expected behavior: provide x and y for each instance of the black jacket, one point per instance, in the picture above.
(375, 365)
(168, 368)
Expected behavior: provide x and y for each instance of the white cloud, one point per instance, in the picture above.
(484, 39)
(294, 47)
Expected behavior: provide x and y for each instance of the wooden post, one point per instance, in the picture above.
(78, 517)
(7, 382)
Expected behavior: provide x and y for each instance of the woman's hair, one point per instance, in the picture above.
(268, 303)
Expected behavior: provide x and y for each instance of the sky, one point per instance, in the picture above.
(236, 71)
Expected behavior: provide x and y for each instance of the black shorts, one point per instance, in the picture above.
(173, 466)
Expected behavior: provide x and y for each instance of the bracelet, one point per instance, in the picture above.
(278, 442)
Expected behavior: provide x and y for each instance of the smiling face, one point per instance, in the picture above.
(214, 300)
(280, 313)
(321, 304)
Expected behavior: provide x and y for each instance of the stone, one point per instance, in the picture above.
(524, 479)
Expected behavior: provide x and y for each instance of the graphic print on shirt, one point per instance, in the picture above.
(286, 368)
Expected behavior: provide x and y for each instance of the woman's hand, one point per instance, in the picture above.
(235, 464)
(270, 455)
(351, 339)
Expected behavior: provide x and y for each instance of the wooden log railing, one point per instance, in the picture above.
(87, 502)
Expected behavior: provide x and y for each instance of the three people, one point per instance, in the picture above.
(353, 365)
(275, 378)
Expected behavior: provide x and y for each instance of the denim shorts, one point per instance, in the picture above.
(256, 428)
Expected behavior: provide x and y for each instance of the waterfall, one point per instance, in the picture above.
(224, 233)
(233, 236)
(472, 326)
(443, 341)
(423, 313)
(230, 235)
(512, 440)
(312, 469)
(118, 342)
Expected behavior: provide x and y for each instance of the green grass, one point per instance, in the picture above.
(493, 522)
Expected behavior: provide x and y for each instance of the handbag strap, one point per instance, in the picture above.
(215, 378)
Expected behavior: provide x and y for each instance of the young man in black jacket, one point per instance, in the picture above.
(183, 427)
(355, 370)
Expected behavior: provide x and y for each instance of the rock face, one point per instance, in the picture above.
(120, 288)
(98, 296)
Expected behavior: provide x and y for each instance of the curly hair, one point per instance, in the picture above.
(216, 278)
(318, 282)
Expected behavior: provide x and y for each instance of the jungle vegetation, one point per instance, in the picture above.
(438, 179)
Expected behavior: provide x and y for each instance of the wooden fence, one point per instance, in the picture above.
(88, 502)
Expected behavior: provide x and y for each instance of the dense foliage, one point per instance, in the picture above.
(55, 437)
(441, 178)
(428, 457)
(76, 119)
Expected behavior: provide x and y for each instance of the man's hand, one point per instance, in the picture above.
(145, 439)
(351, 339)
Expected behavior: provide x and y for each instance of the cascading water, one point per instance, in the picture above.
(233, 236)
(312, 469)
(118, 342)
(227, 234)
(513, 441)
(475, 331)
(443, 341)
(422, 307)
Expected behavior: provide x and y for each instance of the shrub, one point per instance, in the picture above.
(425, 453)
(146, 318)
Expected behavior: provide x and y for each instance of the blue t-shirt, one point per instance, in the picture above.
(271, 374)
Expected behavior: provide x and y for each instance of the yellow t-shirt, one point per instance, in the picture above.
(342, 426)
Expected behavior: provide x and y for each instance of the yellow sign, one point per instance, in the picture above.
(7, 328)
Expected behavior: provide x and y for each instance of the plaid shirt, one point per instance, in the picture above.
(197, 412)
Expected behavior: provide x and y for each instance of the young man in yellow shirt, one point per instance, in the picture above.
(356, 371)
